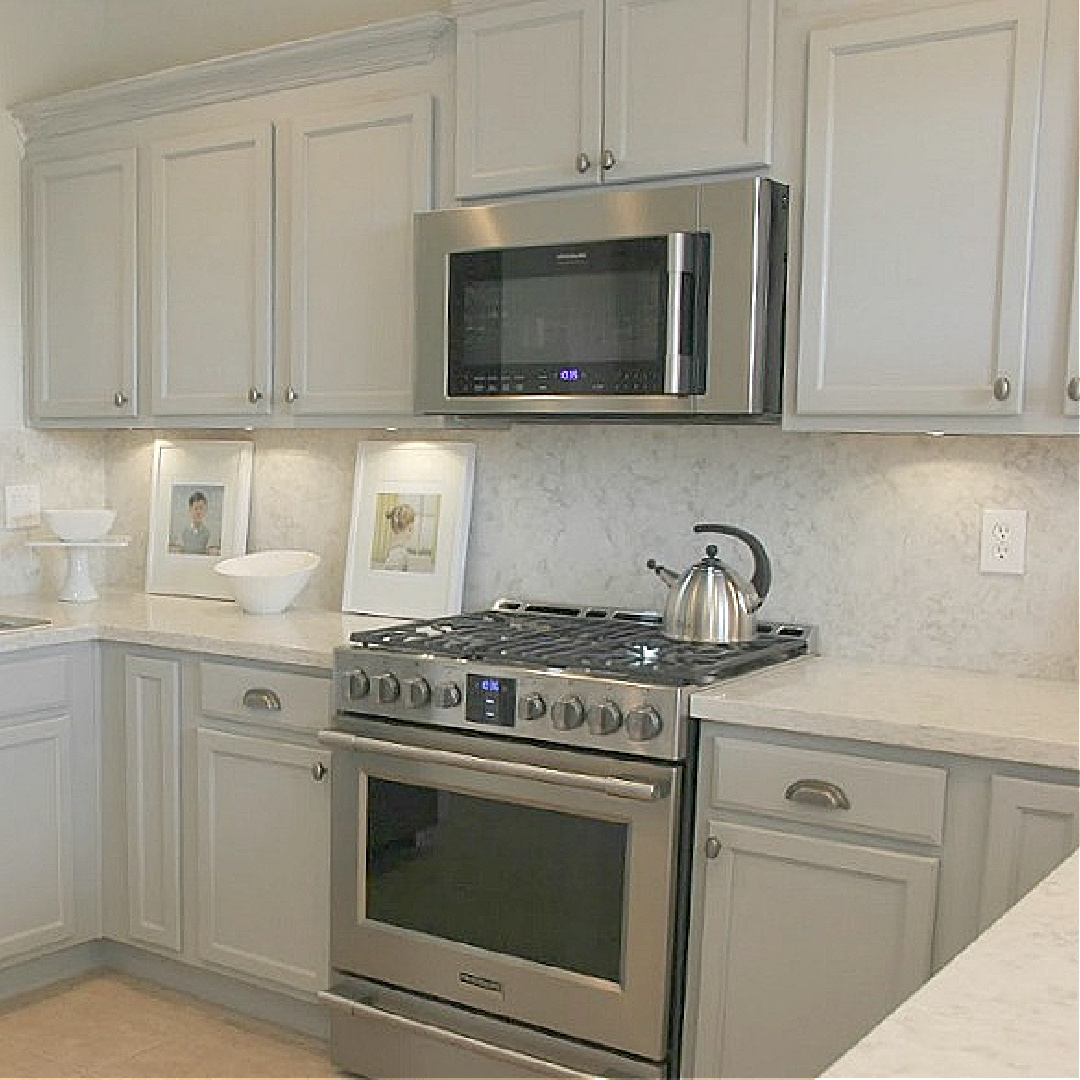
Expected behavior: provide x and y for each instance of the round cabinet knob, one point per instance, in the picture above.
(447, 695)
(531, 707)
(389, 689)
(643, 724)
(1073, 388)
(605, 718)
(567, 713)
(419, 692)
(1002, 388)
(291, 395)
(120, 399)
(608, 160)
(255, 395)
(582, 162)
(357, 685)
(319, 771)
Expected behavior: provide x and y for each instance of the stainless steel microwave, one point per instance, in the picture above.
(660, 301)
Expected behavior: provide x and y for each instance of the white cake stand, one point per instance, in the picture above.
(77, 587)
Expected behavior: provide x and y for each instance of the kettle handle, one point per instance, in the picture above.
(762, 579)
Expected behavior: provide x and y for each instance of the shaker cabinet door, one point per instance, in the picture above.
(919, 194)
(264, 858)
(529, 96)
(81, 287)
(351, 181)
(211, 273)
(688, 86)
(806, 943)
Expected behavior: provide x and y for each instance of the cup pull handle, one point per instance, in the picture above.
(259, 697)
(823, 793)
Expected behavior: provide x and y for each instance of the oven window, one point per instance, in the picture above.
(542, 885)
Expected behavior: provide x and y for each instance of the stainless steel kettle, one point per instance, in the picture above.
(709, 602)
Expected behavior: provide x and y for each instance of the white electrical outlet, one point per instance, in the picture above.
(1003, 545)
(22, 506)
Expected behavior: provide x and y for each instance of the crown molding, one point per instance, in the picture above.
(345, 54)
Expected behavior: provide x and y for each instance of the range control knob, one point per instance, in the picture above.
(643, 724)
(567, 713)
(604, 719)
(388, 688)
(447, 695)
(356, 685)
(531, 707)
(419, 692)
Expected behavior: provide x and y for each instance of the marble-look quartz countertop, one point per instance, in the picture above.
(296, 636)
(1006, 1006)
(1033, 721)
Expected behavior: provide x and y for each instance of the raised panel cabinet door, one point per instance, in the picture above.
(806, 944)
(355, 178)
(920, 168)
(264, 858)
(81, 289)
(1033, 827)
(688, 86)
(211, 273)
(37, 859)
(152, 800)
(529, 97)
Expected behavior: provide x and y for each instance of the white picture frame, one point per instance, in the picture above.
(200, 500)
(412, 505)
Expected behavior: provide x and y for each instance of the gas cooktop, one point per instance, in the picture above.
(608, 642)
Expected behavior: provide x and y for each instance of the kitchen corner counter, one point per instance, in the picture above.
(1006, 1006)
(1032, 721)
(297, 636)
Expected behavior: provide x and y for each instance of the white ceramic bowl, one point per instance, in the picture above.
(87, 524)
(267, 582)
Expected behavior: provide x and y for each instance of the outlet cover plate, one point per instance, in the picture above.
(1003, 542)
(22, 506)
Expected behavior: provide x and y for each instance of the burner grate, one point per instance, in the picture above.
(620, 645)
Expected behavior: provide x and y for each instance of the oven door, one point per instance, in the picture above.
(534, 884)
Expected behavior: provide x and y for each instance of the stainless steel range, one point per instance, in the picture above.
(511, 816)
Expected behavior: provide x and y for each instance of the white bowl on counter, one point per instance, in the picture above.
(267, 582)
(82, 525)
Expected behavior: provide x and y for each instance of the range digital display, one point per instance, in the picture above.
(490, 700)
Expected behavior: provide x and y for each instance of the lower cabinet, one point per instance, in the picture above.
(217, 814)
(49, 801)
(814, 897)
(263, 869)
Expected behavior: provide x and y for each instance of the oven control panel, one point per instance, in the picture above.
(578, 711)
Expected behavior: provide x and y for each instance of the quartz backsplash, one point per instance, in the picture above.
(874, 539)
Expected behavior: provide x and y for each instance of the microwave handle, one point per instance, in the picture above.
(680, 347)
(619, 786)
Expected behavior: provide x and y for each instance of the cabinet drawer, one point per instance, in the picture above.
(841, 790)
(34, 683)
(264, 695)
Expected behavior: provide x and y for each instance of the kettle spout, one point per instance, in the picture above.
(668, 577)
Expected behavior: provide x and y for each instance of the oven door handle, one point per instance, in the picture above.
(619, 786)
(465, 1042)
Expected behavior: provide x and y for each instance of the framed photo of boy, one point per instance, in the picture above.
(412, 504)
(199, 504)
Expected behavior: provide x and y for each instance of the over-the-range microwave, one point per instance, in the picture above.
(656, 301)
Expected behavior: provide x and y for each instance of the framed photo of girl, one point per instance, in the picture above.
(199, 504)
(412, 504)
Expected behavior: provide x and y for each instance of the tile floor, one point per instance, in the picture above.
(107, 1024)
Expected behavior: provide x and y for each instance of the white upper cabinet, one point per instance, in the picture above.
(562, 93)
(81, 286)
(212, 273)
(351, 181)
(920, 165)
